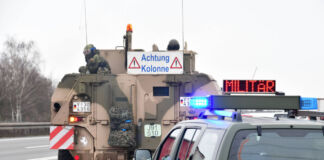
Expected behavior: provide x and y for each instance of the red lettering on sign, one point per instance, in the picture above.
(270, 86)
(234, 86)
(252, 84)
(261, 87)
(239, 86)
(227, 85)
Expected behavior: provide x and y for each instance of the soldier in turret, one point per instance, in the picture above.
(95, 63)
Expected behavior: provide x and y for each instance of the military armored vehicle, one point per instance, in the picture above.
(130, 101)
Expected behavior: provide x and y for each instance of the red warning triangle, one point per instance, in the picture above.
(176, 64)
(134, 64)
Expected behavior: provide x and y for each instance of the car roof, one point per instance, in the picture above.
(209, 122)
(263, 121)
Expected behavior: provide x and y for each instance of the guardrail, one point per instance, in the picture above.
(24, 129)
(25, 124)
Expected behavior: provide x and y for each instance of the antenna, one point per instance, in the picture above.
(85, 21)
(182, 26)
(256, 68)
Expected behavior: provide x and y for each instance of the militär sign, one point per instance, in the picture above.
(154, 62)
(249, 86)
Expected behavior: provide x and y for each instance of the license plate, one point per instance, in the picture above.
(81, 107)
(153, 130)
(184, 101)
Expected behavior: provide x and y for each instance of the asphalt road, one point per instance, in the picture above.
(26, 148)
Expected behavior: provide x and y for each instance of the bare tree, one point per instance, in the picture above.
(22, 87)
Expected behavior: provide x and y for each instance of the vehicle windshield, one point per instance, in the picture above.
(278, 144)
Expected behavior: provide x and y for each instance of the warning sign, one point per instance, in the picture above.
(154, 62)
(176, 64)
(134, 64)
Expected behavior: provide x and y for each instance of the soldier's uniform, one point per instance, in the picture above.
(95, 63)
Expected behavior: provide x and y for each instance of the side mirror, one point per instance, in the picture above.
(143, 154)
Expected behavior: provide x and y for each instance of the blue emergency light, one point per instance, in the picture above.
(308, 103)
(223, 113)
(199, 102)
(253, 102)
(217, 104)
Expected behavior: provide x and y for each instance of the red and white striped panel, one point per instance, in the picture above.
(61, 137)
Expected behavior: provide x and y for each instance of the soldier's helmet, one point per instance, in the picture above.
(90, 48)
(173, 45)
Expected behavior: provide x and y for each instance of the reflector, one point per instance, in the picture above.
(76, 157)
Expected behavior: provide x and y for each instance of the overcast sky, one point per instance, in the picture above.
(282, 38)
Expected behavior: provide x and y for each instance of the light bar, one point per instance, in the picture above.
(221, 102)
(223, 113)
(199, 102)
(254, 102)
(308, 103)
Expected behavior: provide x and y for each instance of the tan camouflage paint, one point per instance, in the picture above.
(135, 92)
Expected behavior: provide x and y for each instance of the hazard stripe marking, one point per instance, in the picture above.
(55, 132)
(58, 137)
(68, 142)
(63, 139)
(70, 147)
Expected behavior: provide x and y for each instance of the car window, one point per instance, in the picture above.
(188, 140)
(208, 144)
(278, 144)
(167, 145)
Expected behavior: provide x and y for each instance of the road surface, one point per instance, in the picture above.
(26, 148)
